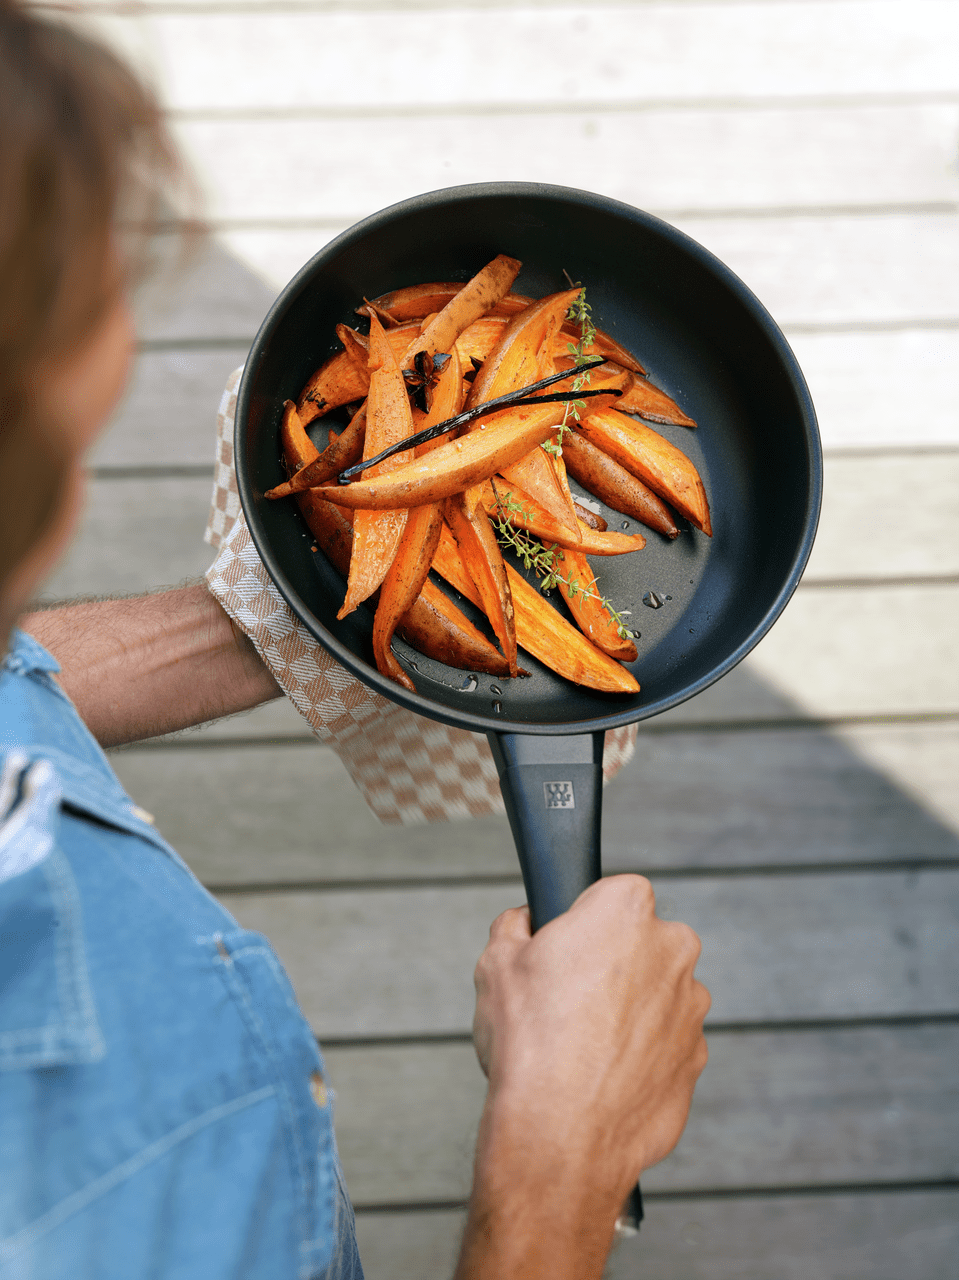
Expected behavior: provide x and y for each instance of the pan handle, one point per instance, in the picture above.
(553, 791)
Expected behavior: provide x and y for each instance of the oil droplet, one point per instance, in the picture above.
(494, 688)
(469, 684)
(637, 635)
(625, 524)
(497, 707)
(653, 600)
(412, 664)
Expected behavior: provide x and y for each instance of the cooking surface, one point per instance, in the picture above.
(703, 337)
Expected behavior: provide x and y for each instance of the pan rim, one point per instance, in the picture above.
(421, 704)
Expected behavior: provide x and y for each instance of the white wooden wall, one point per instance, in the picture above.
(803, 815)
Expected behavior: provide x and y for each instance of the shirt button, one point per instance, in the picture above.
(318, 1089)
(142, 815)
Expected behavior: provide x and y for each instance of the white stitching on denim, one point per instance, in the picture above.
(71, 959)
(80, 1199)
(79, 1024)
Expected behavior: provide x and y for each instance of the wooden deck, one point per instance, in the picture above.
(802, 815)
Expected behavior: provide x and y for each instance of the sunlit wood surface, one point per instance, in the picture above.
(803, 815)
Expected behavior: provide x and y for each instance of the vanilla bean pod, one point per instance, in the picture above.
(512, 400)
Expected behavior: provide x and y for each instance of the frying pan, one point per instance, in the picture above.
(708, 342)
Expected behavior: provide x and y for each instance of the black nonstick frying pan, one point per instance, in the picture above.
(708, 342)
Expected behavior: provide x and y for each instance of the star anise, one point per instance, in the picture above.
(421, 379)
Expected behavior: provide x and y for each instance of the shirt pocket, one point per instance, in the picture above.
(291, 1059)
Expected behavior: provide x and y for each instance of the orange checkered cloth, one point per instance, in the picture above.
(409, 769)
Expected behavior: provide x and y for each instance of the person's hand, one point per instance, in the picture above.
(592, 1028)
(591, 1035)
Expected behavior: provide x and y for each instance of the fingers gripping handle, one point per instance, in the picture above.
(553, 791)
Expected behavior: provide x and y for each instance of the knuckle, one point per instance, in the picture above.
(701, 1055)
(704, 1000)
(635, 891)
(688, 944)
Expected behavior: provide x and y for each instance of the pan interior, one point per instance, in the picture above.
(703, 338)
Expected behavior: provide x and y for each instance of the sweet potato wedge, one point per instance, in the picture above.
(472, 301)
(455, 465)
(403, 583)
(501, 500)
(376, 534)
(517, 358)
(418, 300)
(433, 624)
(483, 561)
(584, 600)
(342, 451)
(336, 382)
(649, 402)
(614, 485)
(540, 630)
(650, 457)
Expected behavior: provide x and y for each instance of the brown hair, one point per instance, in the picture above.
(82, 146)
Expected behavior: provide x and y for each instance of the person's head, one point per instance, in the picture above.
(82, 150)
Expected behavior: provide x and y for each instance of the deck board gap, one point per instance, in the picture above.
(812, 1026)
(416, 884)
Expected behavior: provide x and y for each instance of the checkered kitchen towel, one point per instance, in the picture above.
(409, 769)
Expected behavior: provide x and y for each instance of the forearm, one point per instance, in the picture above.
(152, 664)
(542, 1207)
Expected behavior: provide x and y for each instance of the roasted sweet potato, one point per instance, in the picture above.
(523, 512)
(341, 452)
(483, 561)
(471, 302)
(649, 402)
(403, 583)
(454, 466)
(651, 457)
(376, 534)
(578, 587)
(540, 629)
(432, 624)
(614, 485)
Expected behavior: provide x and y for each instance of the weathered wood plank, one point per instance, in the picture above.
(273, 814)
(168, 416)
(535, 54)
(771, 1110)
(136, 534)
(849, 652)
(887, 516)
(891, 267)
(206, 295)
(884, 1237)
(396, 962)
(875, 389)
(276, 814)
(831, 1237)
(692, 158)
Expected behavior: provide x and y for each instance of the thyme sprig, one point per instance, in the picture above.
(579, 313)
(545, 561)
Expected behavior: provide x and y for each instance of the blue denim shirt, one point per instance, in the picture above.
(163, 1111)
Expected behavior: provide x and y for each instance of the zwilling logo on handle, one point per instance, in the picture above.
(559, 795)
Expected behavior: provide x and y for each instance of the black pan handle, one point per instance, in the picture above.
(553, 791)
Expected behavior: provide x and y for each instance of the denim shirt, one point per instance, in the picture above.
(163, 1111)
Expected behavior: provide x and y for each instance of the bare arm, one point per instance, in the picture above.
(152, 664)
(591, 1035)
